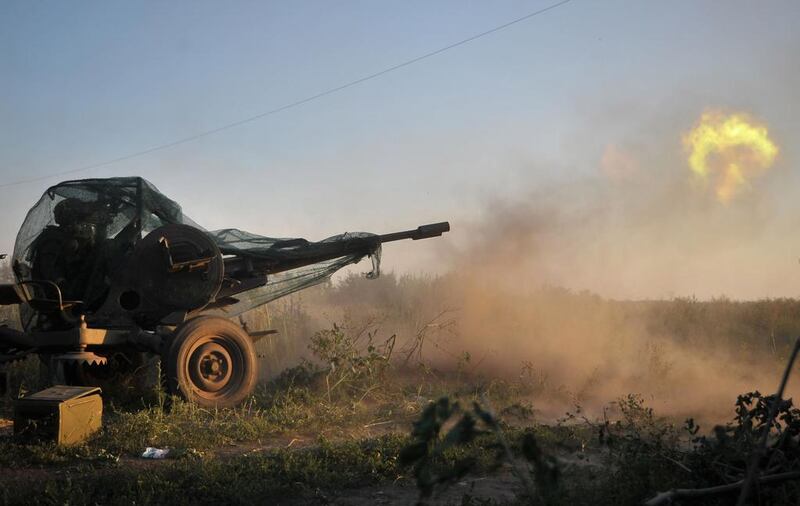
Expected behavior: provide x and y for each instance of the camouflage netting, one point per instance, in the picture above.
(80, 231)
(232, 241)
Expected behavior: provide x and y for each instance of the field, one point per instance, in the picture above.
(437, 390)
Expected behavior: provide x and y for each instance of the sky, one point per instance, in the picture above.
(528, 110)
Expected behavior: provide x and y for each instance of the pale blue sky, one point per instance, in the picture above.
(532, 105)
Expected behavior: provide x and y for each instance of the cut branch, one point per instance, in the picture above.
(758, 452)
(696, 493)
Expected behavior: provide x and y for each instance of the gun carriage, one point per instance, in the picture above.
(110, 269)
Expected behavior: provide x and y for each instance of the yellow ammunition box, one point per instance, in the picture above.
(67, 415)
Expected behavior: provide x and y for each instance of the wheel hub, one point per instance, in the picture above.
(210, 367)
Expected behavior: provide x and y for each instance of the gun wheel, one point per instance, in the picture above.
(210, 361)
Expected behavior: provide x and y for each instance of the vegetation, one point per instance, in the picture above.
(373, 410)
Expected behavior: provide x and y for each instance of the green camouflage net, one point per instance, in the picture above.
(80, 231)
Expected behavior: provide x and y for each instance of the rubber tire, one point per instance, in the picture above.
(176, 360)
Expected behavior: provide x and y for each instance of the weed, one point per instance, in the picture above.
(440, 459)
(354, 362)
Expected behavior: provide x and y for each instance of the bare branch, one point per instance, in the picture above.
(695, 493)
(753, 467)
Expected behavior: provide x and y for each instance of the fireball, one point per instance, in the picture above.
(727, 151)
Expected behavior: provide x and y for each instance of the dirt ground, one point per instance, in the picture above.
(501, 487)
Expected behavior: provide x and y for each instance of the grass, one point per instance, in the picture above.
(246, 479)
(327, 468)
(240, 455)
(299, 403)
(246, 455)
(338, 423)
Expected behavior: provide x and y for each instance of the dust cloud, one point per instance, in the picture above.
(634, 278)
(590, 288)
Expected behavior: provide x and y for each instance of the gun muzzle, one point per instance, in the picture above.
(421, 232)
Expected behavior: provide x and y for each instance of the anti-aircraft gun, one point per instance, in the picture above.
(110, 269)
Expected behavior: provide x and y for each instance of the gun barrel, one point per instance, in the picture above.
(421, 232)
(299, 253)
